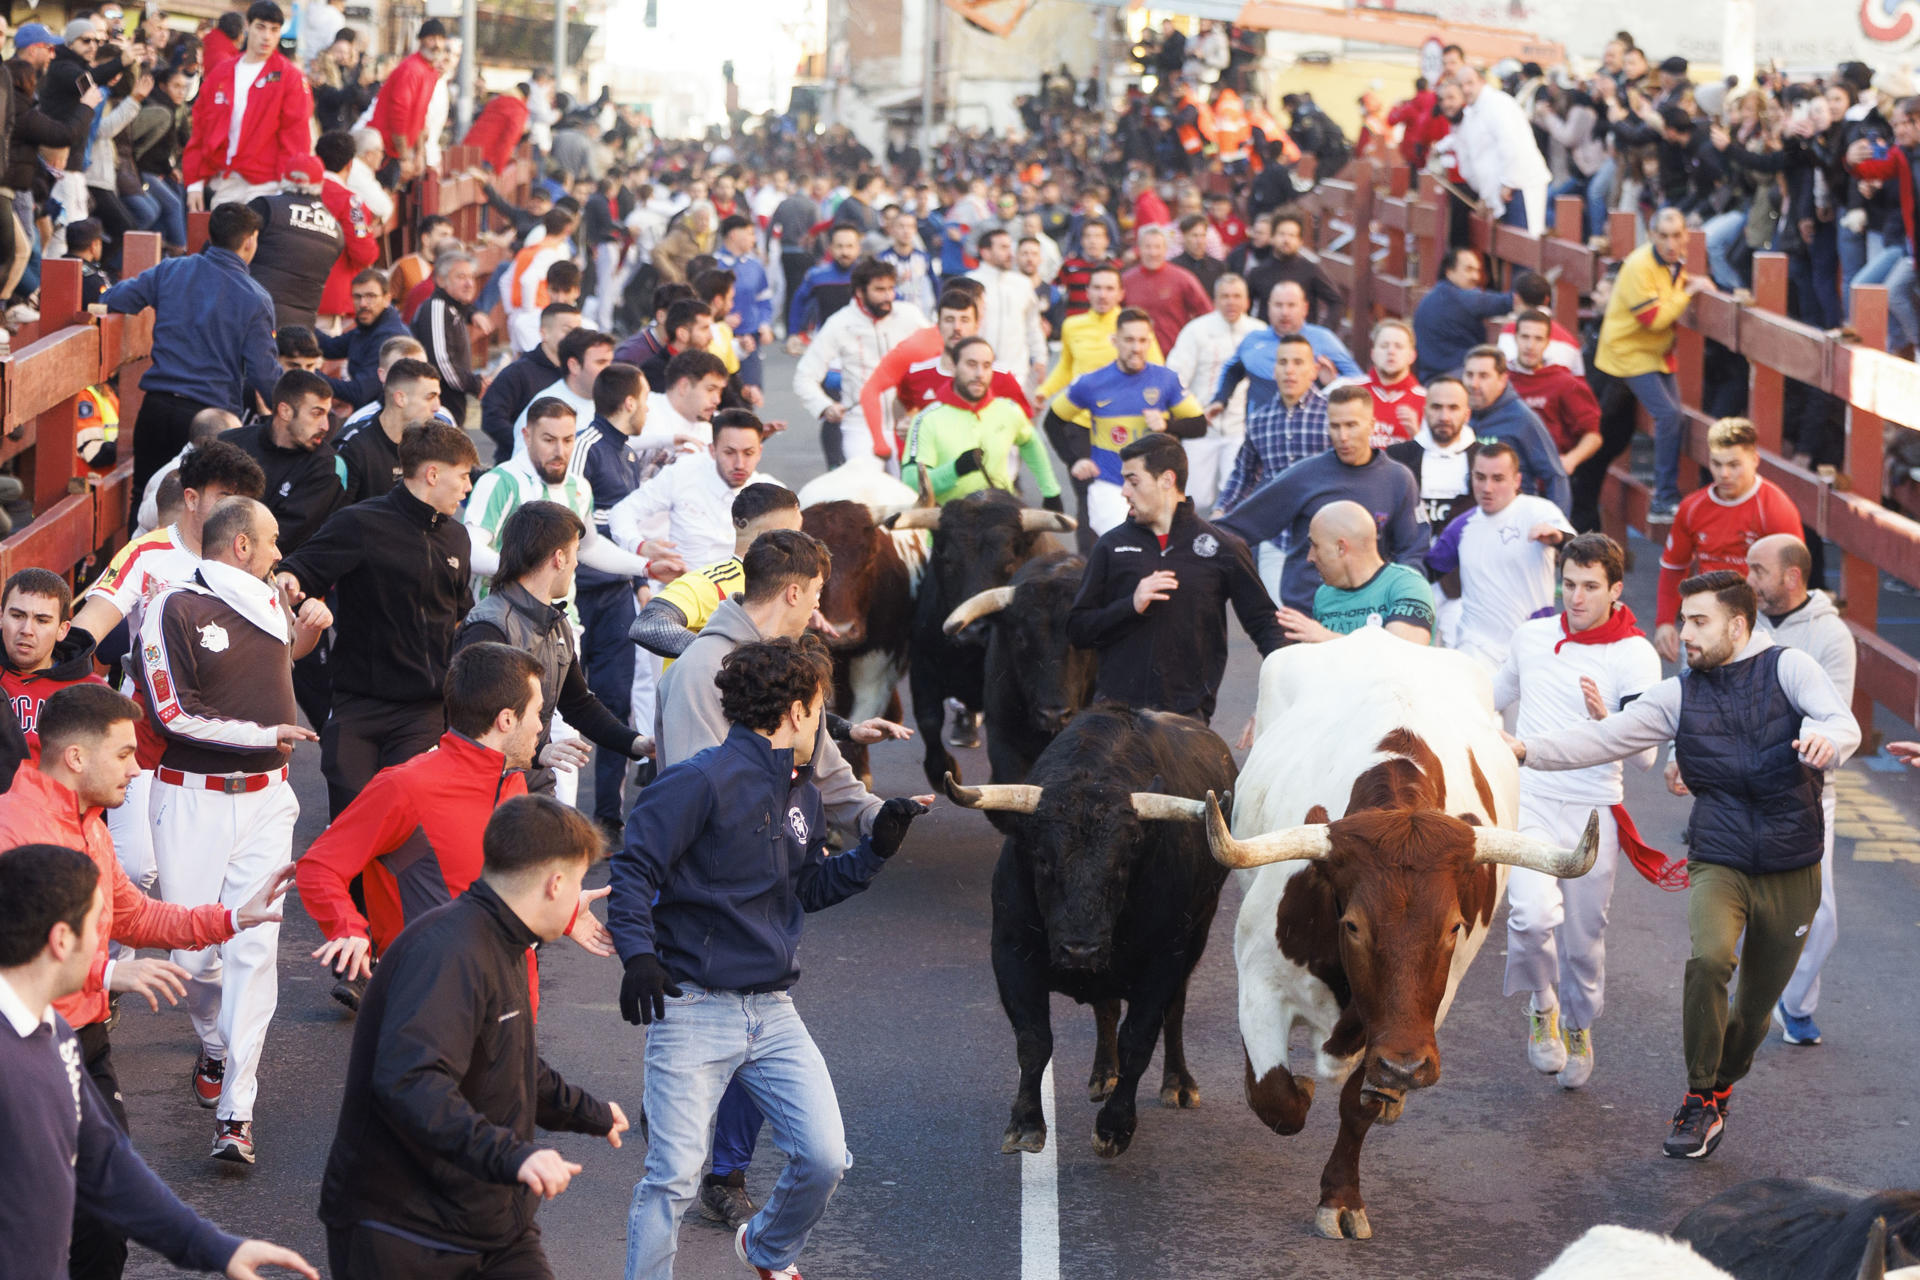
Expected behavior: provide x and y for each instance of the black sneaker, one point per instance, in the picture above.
(1697, 1127)
(725, 1200)
(350, 991)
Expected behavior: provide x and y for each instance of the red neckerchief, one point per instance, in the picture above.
(1654, 866)
(948, 392)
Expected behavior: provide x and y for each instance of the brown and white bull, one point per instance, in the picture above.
(1360, 926)
(868, 601)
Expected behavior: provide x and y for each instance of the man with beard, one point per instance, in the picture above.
(1441, 459)
(965, 440)
(855, 338)
(305, 480)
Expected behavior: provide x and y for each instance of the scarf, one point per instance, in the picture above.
(1654, 866)
(256, 601)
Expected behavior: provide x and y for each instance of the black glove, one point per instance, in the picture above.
(967, 463)
(644, 990)
(1053, 504)
(891, 823)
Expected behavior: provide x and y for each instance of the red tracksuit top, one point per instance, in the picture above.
(363, 246)
(278, 128)
(400, 112)
(497, 130)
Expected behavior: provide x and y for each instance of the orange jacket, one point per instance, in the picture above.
(1232, 129)
(38, 810)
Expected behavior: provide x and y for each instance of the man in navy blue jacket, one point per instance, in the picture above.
(212, 338)
(375, 319)
(732, 843)
(58, 1142)
(1452, 318)
(1500, 414)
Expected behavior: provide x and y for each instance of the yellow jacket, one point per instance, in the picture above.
(1636, 335)
(1086, 344)
(722, 346)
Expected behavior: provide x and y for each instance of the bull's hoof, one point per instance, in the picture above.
(1331, 1223)
(1177, 1094)
(1023, 1137)
(1392, 1103)
(1107, 1145)
(1101, 1084)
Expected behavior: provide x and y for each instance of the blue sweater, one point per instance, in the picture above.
(360, 348)
(1254, 361)
(62, 1147)
(1451, 321)
(752, 292)
(733, 843)
(1508, 419)
(212, 334)
(1281, 509)
(825, 274)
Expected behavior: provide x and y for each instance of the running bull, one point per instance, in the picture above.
(1361, 927)
(1104, 892)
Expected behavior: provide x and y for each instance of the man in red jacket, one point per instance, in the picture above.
(498, 128)
(336, 152)
(273, 104)
(40, 653)
(86, 761)
(400, 112)
(1565, 404)
(415, 833)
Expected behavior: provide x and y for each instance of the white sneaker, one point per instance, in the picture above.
(1579, 1068)
(1545, 1049)
(764, 1273)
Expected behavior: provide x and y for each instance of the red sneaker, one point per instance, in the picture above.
(740, 1252)
(209, 1076)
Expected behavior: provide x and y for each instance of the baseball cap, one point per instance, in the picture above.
(35, 33)
(303, 169)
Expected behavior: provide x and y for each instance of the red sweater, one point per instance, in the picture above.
(1709, 533)
(1389, 398)
(1171, 296)
(400, 112)
(1563, 400)
(277, 129)
(38, 810)
(497, 130)
(363, 246)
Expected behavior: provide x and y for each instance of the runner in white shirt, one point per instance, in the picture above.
(1198, 355)
(1562, 670)
(1503, 551)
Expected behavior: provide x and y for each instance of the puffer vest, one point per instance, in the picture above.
(1756, 807)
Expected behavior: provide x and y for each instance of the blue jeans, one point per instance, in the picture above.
(606, 655)
(708, 1039)
(1879, 269)
(1515, 214)
(173, 210)
(1570, 186)
(145, 210)
(1853, 251)
(1724, 232)
(1903, 302)
(1659, 394)
(1598, 187)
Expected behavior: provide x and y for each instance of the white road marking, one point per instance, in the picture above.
(1040, 1198)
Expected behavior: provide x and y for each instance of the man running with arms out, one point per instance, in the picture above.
(709, 961)
(1583, 665)
(1755, 728)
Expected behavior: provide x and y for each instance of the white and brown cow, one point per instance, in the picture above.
(1370, 823)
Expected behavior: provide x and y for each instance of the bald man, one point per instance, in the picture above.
(1779, 568)
(1358, 588)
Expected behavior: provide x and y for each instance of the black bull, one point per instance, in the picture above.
(1104, 892)
(979, 542)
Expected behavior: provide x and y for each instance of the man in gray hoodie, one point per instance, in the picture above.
(1779, 567)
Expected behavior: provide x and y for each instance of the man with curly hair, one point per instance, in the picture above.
(723, 853)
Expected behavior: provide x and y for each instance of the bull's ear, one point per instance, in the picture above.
(1471, 819)
(1317, 815)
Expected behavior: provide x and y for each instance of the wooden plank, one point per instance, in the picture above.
(59, 537)
(113, 510)
(54, 369)
(1766, 395)
(1884, 385)
(1887, 674)
(1796, 350)
(1714, 315)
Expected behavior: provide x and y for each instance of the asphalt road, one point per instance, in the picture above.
(1488, 1174)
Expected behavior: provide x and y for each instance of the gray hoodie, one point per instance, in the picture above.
(1816, 628)
(687, 719)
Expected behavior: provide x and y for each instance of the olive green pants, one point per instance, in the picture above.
(1775, 912)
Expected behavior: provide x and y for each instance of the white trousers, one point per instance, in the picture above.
(231, 188)
(132, 831)
(1802, 995)
(1106, 506)
(212, 847)
(1556, 929)
(645, 688)
(609, 279)
(1209, 464)
(1271, 561)
(1447, 614)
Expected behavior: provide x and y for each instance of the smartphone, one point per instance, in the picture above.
(1879, 148)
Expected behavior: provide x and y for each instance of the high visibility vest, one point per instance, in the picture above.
(1231, 129)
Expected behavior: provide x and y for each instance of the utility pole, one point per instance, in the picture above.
(469, 60)
(929, 72)
(560, 46)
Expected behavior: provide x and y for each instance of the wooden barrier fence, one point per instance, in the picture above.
(1877, 388)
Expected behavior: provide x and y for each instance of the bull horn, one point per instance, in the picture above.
(990, 601)
(1290, 845)
(1873, 1262)
(1492, 844)
(1152, 806)
(1034, 520)
(915, 518)
(1005, 797)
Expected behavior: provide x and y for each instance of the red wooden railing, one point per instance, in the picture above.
(75, 514)
(1844, 508)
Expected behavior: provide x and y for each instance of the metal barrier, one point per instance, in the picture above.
(1877, 388)
(76, 514)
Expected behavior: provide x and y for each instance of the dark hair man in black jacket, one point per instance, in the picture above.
(434, 1157)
